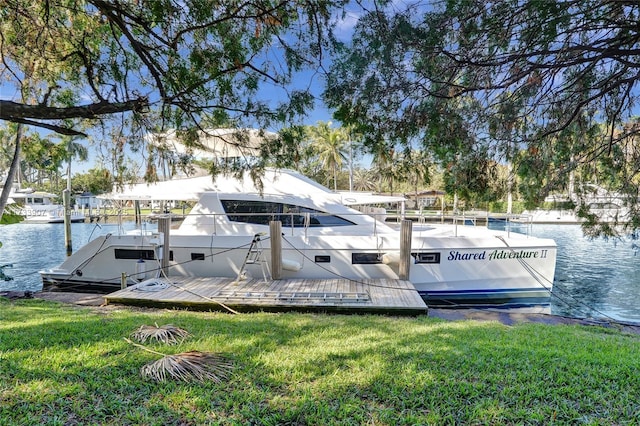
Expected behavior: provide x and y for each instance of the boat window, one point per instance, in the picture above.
(258, 212)
(365, 258)
(197, 256)
(134, 254)
(319, 219)
(262, 212)
(427, 257)
(322, 259)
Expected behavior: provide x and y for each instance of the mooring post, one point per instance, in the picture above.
(137, 212)
(405, 249)
(275, 235)
(66, 203)
(164, 226)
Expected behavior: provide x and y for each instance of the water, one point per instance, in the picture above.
(594, 278)
(31, 247)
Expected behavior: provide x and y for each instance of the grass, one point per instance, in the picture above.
(63, 365)
(10, 218)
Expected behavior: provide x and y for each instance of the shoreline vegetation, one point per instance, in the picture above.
(10, 218)
(65, 364)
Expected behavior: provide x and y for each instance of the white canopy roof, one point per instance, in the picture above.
(29, 193)
(274, 182)
(359, 198)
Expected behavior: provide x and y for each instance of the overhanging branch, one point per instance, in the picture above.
(11, 111)
(22, 113)
(53, 127)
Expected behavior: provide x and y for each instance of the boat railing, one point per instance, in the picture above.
(296, 222)
(292, 222)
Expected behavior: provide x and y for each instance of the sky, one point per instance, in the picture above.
(314, 80)
(310, 79)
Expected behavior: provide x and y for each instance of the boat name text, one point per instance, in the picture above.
(498, 255)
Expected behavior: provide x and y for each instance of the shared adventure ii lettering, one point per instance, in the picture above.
(498, 254)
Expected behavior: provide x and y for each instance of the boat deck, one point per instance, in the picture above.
(388, 296)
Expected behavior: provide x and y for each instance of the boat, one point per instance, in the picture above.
(540, 216)
(39, 207)
(606, 206)
(322, 238)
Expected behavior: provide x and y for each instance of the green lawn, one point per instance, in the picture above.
(63, 365)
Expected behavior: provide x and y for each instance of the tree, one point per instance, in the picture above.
(329, 144)
(180, 58)
(75, 150)
(97, 180)
(364, 179)
(159, 63)
(417, 169)
(383, 166)
(12, 170)
(439, 71)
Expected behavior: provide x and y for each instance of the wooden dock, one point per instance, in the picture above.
(384, 296)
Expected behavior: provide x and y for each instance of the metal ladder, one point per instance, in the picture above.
(254, 256)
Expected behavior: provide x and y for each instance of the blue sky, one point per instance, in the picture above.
(314, 80)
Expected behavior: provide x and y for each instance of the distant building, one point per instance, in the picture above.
(87, 200)
(426, 199)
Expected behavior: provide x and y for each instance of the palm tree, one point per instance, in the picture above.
(329, 144)
(363, 180)
(73, 150)
(417, 162)
(382, 163)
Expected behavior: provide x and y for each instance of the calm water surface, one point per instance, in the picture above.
(594, 278)
(32, 247)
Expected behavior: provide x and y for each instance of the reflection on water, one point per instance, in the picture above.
(594, 278)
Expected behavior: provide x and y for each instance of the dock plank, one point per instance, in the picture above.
(332, 295)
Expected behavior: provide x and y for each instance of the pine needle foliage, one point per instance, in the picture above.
(168, 334)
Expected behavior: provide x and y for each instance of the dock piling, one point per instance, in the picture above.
(66, 202)
(275, 234)
(405, 249)
(164, 226)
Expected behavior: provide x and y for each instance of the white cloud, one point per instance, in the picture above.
(345, 24)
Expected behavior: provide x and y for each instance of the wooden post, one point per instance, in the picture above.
(275, 234)
(137, 212)
(66, 203)
(405, 249)
(123, 280)
(164, 226)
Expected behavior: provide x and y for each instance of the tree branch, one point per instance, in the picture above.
(52, 127)
(10, 110)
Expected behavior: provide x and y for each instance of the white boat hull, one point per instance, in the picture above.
(449, 271)
(51, 215)
(38, 207)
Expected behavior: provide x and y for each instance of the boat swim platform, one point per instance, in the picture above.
(378, 296)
